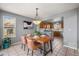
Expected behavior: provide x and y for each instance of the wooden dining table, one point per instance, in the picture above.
(44, 41)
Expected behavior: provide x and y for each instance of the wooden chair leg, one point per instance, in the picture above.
(27, 51)
(41, 51)
(47, 45)
(24, 47)
(32, 52)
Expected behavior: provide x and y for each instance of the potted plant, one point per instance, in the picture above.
(37, 33)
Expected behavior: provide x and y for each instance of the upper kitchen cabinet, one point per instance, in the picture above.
(46, 25)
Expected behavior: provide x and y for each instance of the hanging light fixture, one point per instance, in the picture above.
(37, 19)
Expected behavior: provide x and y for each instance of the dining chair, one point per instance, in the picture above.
(23, 42)
(32, 45)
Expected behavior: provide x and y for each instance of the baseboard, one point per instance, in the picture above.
(15, 43)
(70, 47)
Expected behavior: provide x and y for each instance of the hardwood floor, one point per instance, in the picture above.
(58, 50)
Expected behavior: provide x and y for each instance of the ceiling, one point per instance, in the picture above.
(45, 9)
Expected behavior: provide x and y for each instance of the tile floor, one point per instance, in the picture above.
(58, 50)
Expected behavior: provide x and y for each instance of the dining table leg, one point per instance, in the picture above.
(44, 49)
(51, 46)
(27, 51)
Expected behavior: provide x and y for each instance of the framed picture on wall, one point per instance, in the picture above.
(9, 26)
(28, 24)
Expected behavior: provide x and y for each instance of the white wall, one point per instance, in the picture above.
(78, 28)
(70, 27)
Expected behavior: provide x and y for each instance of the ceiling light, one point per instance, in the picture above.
(37, 19)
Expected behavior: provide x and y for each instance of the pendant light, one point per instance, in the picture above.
(37, 19)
